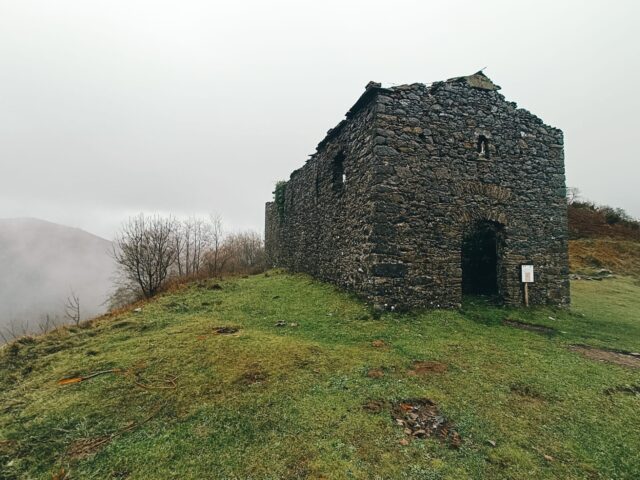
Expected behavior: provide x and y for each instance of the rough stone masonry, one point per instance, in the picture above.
(424, 193)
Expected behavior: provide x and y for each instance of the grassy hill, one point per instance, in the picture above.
(314, 385)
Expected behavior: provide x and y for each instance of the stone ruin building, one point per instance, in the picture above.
(424, 193)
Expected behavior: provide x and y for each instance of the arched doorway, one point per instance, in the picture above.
(481, 258)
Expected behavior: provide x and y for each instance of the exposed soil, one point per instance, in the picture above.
(425, 368)
(421, 418)
(87, 446)
(528, 326)
(378, 344)
(618, 357)
(254, 374)
(219, 331)
(6, 446)
(526, 391)
(375, 373)
(225, 330)
(374, 406)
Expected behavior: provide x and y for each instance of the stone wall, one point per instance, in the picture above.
(415, 183)
(324, 225)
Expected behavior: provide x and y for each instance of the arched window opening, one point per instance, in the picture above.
(339, 175)
(483, 146)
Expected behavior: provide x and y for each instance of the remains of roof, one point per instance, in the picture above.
(477, 80)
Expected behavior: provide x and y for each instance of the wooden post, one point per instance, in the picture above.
(527, 277)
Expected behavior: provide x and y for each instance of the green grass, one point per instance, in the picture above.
(287, 402)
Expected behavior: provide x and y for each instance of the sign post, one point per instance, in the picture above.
(527, 278)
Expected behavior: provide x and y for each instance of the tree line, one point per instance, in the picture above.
(151, 251)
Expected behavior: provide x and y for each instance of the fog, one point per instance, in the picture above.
(111, 108)
(41, 264)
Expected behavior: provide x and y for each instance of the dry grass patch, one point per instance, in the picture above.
(625, 359)
(620, 256)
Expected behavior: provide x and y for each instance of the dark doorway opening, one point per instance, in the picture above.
(481, 250)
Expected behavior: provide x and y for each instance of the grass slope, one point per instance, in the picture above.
(620, 256)
(287, 402)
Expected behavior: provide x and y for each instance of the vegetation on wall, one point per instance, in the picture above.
(278, 195)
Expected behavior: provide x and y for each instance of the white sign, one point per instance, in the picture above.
(527, 273)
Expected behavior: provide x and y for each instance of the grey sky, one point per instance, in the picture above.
(112, 107)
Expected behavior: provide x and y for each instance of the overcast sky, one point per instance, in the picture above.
(112, 107)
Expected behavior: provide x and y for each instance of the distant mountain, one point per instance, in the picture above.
(41, 262)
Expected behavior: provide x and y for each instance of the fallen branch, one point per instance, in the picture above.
(69, 381)
(87, 446)
(170, 381)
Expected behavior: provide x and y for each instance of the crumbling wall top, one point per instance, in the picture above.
(478, 80)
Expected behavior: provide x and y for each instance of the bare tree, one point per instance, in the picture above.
(145, 250)
(192, 241)
(125, 293)
(5, 336)
(246, 250)
(573, 195)
(200, 241)
(217, 255)
(179, 247)
(14, 330)
(72, 308)
(47, 323)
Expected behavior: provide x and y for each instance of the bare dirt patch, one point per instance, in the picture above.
(254, 374)
(378, 344)
(528, 326)
(85, 447)
(374, 406)
(626, 359)
(225, 330)
(209, 285)
(375, 373)
(425, 368)
(7, 446)
(421, 418)
(219, 331)
(527, 392)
